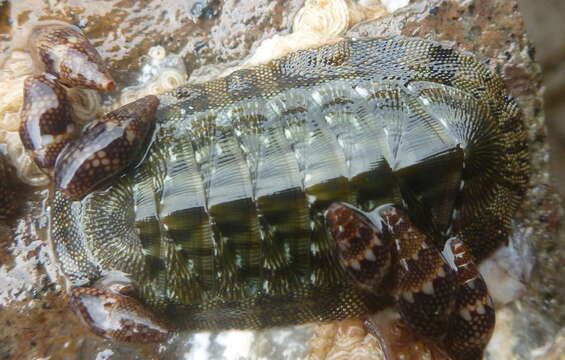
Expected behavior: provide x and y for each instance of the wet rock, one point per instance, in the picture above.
(203, 32)
(204, 10)
(32, 299)
(545, 27)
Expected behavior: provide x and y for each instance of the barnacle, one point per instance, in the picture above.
(317, 23)
(161, 72)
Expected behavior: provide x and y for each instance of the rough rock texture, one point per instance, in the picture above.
(34, 319)
(545, 26)
(204, 32)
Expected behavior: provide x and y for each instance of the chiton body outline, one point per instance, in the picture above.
(259, 155)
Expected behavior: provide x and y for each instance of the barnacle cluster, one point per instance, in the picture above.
(319, 22)
(341, 340)
(161, 72)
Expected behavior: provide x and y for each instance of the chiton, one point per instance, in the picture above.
(223, 223)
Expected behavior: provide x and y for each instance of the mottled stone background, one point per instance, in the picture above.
(545, 25)
(214, 35)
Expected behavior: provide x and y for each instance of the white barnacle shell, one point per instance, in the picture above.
(317, 23)
(26, 168)
(86, 103)
(323, 17)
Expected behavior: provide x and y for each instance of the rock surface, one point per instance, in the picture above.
(545, 26)
(35, 321)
